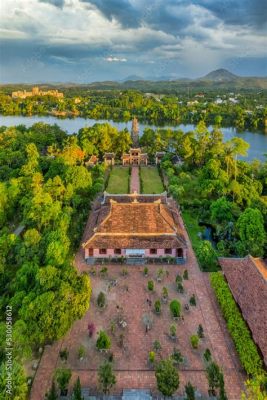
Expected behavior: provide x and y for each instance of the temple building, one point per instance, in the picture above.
(135, 132)
(159, 156)
(109, 158)
(247, 279)
(137, 227)
(23, 94)
(135, 157)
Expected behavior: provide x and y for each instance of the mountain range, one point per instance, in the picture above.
(218, 79)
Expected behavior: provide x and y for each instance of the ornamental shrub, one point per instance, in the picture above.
(175, 308)
(150, 286)
(101, 300)
(157, 306)
(103, 341)
(167, 377)
(236, 325)
(194, 339)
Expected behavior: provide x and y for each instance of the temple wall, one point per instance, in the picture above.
(110, 253)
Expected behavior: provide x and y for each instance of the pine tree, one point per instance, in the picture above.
(77, 392)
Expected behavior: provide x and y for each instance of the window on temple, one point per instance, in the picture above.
(153, 251)
(168, 251)
(91, 252)
(117, 251)
(102, 251)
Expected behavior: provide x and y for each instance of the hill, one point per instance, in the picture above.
(220, 79)
(220, 75)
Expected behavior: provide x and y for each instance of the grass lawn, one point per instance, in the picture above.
(118, 180)
(191, 223)
(151, 181)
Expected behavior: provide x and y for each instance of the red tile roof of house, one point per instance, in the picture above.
(247, 279)
(136, 225)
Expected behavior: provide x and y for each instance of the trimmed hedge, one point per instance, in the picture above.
(237, 327)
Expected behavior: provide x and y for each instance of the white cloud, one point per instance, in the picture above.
(115, 59)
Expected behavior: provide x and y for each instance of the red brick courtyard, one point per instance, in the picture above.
(127, 301)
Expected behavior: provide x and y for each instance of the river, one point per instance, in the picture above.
(257, 139)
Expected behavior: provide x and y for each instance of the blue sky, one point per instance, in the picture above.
(91, 40)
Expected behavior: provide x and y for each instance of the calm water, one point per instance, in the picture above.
(257, 140)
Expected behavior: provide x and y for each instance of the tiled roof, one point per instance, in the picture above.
(135, 242)
(138, 218)
(247, 279)
(135, 225)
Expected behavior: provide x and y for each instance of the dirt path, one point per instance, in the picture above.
(135, 181)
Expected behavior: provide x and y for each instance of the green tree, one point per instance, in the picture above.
(103, 341)
(250, 228)
(190, 391)
(77, 391)
(214, 376)
(63, 376)
(175, 308)
(19, 389)
(52, 394)
(206, 255)
(167, 377)
(106, 377)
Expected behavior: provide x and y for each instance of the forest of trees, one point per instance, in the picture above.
(249, 112)
(46, 190)
(216, 188)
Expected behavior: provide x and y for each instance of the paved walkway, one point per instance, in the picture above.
(135, 182)
(129, 299)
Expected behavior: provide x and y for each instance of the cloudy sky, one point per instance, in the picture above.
(90, 40)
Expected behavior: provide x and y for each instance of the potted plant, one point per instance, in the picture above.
(207, 355)
(177, 357)
(200, 331)
(160, 274)
(194, 340)
(165, 294)
(151, 358)
(156, 346)
(185, 275)
(124, 271)
(64, 354)
(146, 271)
(157, 306)
(103, 341)
(101, 300)
(175, 308)
(180, 287)
(103, 272)
(91, 329)
(81, 352)
(173, 331)
(63, 376)
(178, 279)
(190, 391)
(150, 286)
(192, 300)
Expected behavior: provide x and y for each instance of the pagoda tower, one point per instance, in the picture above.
(135, 132)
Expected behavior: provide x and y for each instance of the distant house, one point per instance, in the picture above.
(135, 227)
(109, 158)
(159, 156)
(23, 94)
(247, 279)
(135, 157)
(93, 160)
